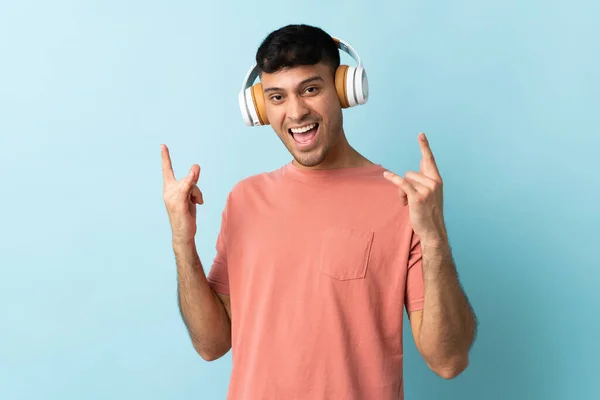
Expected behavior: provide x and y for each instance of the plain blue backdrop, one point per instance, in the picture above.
(506, 90)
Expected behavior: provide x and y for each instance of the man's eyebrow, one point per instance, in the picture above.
(304, 82)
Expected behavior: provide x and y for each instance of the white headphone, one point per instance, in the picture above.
(351, 84)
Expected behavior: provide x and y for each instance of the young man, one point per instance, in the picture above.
(317, 259)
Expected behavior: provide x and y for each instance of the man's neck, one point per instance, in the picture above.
(343, 155)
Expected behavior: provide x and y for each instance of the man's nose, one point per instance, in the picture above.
(297, 109)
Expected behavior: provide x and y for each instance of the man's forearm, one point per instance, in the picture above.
(203, 313)
(448, 324)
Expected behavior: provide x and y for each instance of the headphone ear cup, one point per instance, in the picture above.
(361, 85)
(252, 106)
(341, 87)
(246, 116)
(258, 99)
(351, 87)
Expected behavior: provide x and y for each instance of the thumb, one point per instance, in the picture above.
(196, 195)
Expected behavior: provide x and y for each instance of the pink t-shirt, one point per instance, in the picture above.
(319, 266)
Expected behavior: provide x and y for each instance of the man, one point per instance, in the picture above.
(317, 259)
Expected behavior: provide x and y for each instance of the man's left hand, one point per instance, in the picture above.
(423, 194)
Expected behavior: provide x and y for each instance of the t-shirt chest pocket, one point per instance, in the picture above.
(345, 253)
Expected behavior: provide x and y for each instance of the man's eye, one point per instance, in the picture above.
(312, 90)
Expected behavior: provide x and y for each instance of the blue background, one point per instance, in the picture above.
(506, 90)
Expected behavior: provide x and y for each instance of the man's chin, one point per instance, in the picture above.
(309, 159)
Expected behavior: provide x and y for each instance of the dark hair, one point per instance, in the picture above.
(295, 45)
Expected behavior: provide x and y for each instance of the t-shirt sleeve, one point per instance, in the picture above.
(218, 275)
(414, 279)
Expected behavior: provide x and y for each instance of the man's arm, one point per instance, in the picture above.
(206, 314)
(445, 329)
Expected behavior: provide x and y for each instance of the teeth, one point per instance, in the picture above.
(303, 129)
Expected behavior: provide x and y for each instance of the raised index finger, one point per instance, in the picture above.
(167, 167)
(425, 149)
(430, 167)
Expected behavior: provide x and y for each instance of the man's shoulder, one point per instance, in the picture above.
(259, 181)
(260, 178)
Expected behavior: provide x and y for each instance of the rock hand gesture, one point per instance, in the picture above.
(180, 199)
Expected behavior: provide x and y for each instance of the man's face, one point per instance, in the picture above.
(304, 110)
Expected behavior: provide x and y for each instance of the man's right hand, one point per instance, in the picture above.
(180, 199)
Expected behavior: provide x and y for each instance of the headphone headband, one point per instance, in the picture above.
(254, 72)
(346, 48)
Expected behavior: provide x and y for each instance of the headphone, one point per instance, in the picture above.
(351, 85)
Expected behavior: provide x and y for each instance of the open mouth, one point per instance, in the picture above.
(304, 135)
